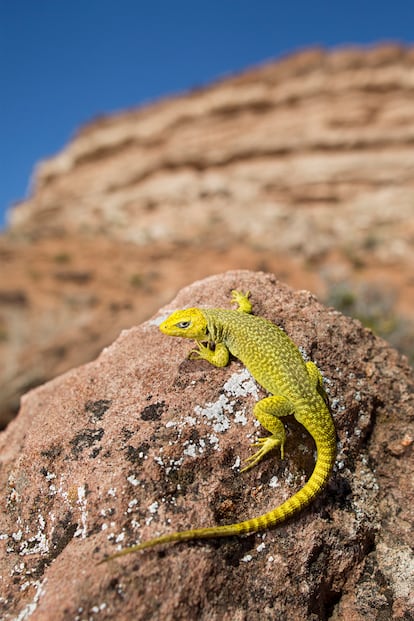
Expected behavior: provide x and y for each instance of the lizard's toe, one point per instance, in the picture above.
(266, 445)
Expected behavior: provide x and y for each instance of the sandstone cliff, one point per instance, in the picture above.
(303, 167)
(306, 146)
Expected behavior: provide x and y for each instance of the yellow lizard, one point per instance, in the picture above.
(295, 387)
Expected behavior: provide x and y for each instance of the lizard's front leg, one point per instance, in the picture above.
(219, 356)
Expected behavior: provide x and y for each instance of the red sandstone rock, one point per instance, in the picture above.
(143, 441)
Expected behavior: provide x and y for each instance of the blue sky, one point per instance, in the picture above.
(64, 62)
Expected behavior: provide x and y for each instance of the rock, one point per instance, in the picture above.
(143, 441)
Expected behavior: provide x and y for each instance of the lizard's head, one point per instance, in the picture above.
(189, 323)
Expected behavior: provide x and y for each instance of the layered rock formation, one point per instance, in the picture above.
(143, 440)
(304, 167)
(292, 143)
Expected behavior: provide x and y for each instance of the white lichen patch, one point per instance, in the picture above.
(82, 531)
(37, 544)
(153, 508)
(397, 563)
(96, 609)
(289, 479)
(236, 464)
(18, 569)
(168, 464)
(132, 504)
(158, 459)
(110, 535)
(216, 413)
(30, 608)
(191, 449)
(133, 480)
(240, 417)
(24, 542)
(187, 421)
(242, 384)
(88, 616)
(34, 537)
(119, 538)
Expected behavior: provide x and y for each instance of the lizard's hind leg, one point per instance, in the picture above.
(317, 379)
(268, 411)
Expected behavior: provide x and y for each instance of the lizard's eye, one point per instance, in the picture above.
(183, 324)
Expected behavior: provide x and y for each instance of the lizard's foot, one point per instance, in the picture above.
(242, 301)
(202, 353)
(219, 356)
(266, 445)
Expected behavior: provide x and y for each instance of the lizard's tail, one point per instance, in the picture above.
(290, 507)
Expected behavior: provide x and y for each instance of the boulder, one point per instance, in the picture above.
(143, 441)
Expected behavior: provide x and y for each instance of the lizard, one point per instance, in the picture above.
(294, 387)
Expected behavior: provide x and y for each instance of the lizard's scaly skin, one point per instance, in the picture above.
(296, 388)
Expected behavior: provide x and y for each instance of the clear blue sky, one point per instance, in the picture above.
(64, 62)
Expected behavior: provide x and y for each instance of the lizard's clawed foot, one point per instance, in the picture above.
(202, 353)
(242, 301)
(266, 445)
(219, 356)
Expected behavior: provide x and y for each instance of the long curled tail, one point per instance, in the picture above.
(290, 507)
